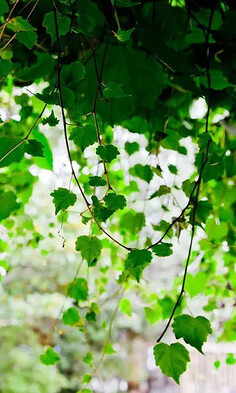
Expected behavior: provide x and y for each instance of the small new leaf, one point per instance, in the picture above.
(172, 359)
(50, 120)
(63, 198)
(194, 331)
(123, 35)
(50, 357)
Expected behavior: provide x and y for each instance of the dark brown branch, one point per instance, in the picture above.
(66, 137)
(197, 184)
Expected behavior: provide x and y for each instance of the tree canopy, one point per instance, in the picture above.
(140, 67)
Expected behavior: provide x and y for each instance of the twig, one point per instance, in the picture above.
(66, 137)
(198, 183)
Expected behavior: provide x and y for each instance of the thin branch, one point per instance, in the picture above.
(66, 137)
(26, 136)
(198, 183)
(186, 266)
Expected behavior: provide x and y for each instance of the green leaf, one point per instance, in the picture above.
(78, 289)
(114, 201)
(230, 359)
(123, 35)
(194, 331)
(125, 306)
(50, 120)
(5, 67)
(173, 169)
(172, 359)
(136, 262)
(114, 90)
(63, 198)
(83, 136)
(7, 204)
(4, 264)
(133, 222)
(87, 378)
(88, 359)
(35, 148)
(90, 247)
(50, 357)
(213, 169)
(3, 7)
(217, 364)
(108, 349)
(20, 24)
(72, 73)
(195, 284)
(162, 249)
(131, 148)
(71, 316)
(62, 21)
(108, 152)
(153, 314)
(163, 190)
(28, 38)
(144, 172)
(96, 181)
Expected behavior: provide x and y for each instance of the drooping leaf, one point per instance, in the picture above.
(28, 38)
(136, 262)
(123, 35)
(83, 136)
(50, 357)
(114, 90)
(71, 316)
(172, 359)
(162, 249)
(144, 172)
(3, 7)
(7, 204)
(131, 148)
(63, 198)
(90, 247)
(34, 148)
(78, 289)
(5, 67)
(107, 153)
(62, 21)
(97, 181)
(194, 331)
(125, 306)
(19, 24)
(195, 284)
(108, 349)
(50, 120)
(114, 201)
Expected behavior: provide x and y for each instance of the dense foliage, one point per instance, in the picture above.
(140, 65)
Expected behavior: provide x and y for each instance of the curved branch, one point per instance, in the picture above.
(66, 137)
